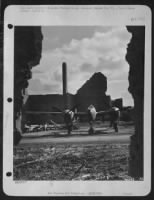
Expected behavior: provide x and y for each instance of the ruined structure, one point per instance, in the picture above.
(65, 92)
(135, 58)
(117, 103)
(93, 92)
(47, 103)
(27, 54)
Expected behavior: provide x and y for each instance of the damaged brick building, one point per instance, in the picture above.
(93, 91)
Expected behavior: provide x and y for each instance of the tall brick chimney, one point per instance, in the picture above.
(64, 74)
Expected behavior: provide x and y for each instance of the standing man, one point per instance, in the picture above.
(114, 118)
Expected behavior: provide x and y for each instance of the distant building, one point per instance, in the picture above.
(47, 103)
(92, 92)
(127, 113)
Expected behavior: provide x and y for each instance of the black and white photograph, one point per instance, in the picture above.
(79, 103)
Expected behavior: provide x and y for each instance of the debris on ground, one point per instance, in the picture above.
(71, 162)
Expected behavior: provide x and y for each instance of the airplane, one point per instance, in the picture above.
(91, 113)
(114, 113)
(70, 114)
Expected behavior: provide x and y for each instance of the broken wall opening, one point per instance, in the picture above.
(25, 60)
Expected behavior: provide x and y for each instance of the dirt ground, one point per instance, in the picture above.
(79, 161)
(72, 162)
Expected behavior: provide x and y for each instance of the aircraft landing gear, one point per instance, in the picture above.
(115, 127)
(69, 129)
(91, 129)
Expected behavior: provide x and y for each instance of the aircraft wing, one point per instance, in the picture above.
(42, 112)
(54, 113)
(101, 113)
(78, 114)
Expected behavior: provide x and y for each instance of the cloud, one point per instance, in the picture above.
(37, 87)
(36, 71)
(57, 76)
(86, 50)
(58, 36)
(128, 100)
(86, 67)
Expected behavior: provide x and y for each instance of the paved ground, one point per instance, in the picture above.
(102, 135)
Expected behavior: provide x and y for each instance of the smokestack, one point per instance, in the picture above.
(64, 74)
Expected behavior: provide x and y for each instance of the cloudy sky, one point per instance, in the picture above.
(86, 50)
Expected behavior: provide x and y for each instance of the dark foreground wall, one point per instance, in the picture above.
(27, 54)
(135, 58)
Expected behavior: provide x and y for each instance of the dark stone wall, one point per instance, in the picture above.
(135, 58)
(27, 54)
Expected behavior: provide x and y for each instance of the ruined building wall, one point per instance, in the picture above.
(135, 58)
(94, 92)
(27, 54)
(117, 103)
(46, 103)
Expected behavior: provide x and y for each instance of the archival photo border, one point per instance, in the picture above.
(77, 15)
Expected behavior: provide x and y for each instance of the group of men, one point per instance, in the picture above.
(114, 115)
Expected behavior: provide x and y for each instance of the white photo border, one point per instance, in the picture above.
(77, 15)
